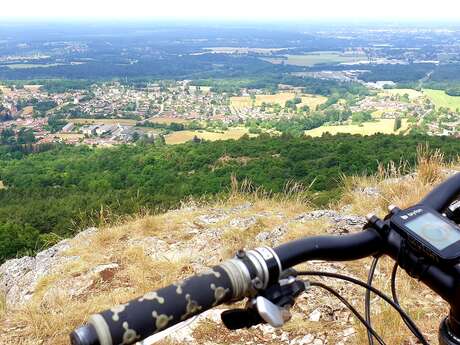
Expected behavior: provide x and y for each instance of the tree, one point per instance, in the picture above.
(135, 137)
(397, 124)
(7, 137)
(160, 141)
(26, 136)
(196, 140)
(16, 239)
(361, 117)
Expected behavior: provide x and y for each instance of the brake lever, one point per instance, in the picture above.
(234, 319)
(271, 313)
(270, 306)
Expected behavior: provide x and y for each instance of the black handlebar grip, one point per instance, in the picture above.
(441, 196)
(156, 311)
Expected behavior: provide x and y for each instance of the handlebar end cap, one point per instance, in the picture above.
(85, 335)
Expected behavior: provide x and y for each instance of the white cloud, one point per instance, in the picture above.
(234, 9)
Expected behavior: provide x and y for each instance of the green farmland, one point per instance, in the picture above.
(441, 99)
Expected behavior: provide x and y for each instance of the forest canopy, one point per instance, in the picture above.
(66, 189)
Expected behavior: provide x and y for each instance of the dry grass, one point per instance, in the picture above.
(2, 305)
(294, 195)
(394, 184)
(425, 308)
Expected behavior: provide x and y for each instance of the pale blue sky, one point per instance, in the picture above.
(235, 9)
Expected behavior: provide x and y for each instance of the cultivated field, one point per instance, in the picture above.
(32, 65)
(184, 136)
(441, 99)
(32, 87)
(124, 122)
(27, 65)
(311, 59)
(413, 94)
(69, 136)
(167, 120)
(385, 126)
(242, 50)
(27, 111)
(2, 186)
(280, 98)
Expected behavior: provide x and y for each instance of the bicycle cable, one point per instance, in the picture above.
(402, 313)
(367, 298)
(355, 312)
(394, 293)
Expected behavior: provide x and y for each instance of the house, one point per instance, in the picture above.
(89, 130)
(68, 128)
(124, 133)
(105, 129)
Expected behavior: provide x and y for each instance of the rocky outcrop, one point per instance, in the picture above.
(19, 277)
(203, 234)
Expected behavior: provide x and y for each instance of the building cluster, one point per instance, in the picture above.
(114, 100)
(392, 106)
(115, 132)
(112, 113)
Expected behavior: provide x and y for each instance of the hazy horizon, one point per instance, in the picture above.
(239, 10)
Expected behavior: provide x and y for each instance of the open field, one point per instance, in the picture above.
(4, 89)
(167, 120)
(413, 94)
(32, 87)
(280, 98)
(441, 99)
(316, 58)
(184, 136)
(2, 186)
(242, 50)
(125, 122)
(368, 128)
(69, 136)
(27, 111)
(30, 65)
(312, 101)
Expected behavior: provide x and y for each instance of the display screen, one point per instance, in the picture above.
(440, 234)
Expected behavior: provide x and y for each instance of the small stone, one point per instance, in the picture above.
(349, 331)
(315, 315)
(308, 339)
(263, 236)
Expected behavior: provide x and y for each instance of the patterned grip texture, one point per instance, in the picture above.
(156, 311)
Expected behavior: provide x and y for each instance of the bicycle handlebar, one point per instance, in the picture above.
(249, 272)
(142, 317)
(331, 248)
(155, 311)
(443, 194)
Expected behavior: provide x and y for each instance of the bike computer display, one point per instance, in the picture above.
(429, 233)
